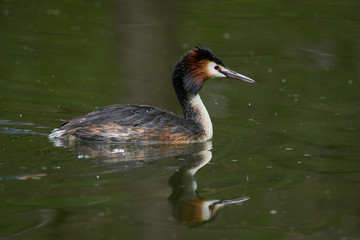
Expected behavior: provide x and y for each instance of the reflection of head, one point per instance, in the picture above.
(198, 211)
(187, 206)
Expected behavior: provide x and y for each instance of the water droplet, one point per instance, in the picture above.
(273, 212)
(53, 12)
(184, 45)
(101, 214)
(226, 35)
(6, 12)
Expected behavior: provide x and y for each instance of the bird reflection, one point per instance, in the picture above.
(130, 155)
(187, 206)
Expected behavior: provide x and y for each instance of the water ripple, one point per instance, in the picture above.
(11, 130)
(8, 122)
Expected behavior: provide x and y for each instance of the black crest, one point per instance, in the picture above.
(205, 53)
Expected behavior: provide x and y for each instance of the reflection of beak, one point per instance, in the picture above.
(231, 74)
(222, 203)
(217, 205)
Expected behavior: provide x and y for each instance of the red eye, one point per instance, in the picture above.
(216, 67)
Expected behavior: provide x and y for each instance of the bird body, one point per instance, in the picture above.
(119, 121)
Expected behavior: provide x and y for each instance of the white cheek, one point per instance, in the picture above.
(213, 72)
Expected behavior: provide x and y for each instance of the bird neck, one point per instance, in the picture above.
(194, 109)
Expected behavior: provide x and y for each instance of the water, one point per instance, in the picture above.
(290, 142)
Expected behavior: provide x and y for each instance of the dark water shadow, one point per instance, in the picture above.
(35, 219)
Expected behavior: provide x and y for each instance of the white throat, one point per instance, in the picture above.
(204, 117)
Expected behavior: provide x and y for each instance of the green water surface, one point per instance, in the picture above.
(290, 142)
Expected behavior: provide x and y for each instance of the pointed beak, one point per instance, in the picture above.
(232, 74)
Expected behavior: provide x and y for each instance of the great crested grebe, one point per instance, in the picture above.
(146, 124)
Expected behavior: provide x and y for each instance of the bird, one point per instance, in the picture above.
(143, 124)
